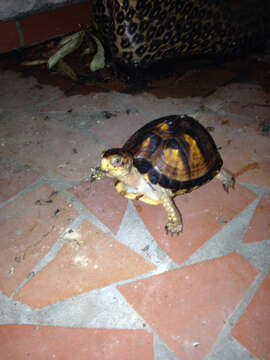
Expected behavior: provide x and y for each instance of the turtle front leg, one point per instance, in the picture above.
(97, 174)
(175, 224)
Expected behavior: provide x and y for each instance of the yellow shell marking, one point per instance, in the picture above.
(163, 126)
(173, 159)
(197, 160)
(146, 142)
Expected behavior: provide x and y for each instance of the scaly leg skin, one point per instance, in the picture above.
(127, 193)
(227, 178)
(122, 190)
(175, 224)
(97, 174)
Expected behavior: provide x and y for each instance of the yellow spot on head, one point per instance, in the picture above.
(105, 164)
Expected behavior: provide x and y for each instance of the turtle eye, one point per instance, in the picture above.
(116, 160)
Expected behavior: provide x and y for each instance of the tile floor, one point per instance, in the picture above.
(86, 274)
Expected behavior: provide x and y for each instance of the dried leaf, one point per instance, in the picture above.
(71, 43)
(98, 61)
(92, 46)
(64, 69)
(71, 38)
(34, 62)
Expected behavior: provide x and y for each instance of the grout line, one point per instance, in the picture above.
(85, 213)
(141, 240)
(236, 315)
(234, 318)
(20, 34)
(56, 182)
(50, 256)
(23, 192)
(227, 240)
(227, 113)
(161, 349)
(260, 190)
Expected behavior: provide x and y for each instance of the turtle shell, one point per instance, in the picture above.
(175, 152)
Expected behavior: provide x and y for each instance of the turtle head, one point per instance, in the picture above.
(116, 162)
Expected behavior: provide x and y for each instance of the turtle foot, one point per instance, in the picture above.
(174, 228)
(227, 178)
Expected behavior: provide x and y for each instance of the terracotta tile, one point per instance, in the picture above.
(29, 228)
(243, 147)
(90, 259)
(13, 180)
(192, 83)
(110, 82)
(18, 93)
(205, 211)
(93, 102)
(241, 99)
(109, 129)
(259, 228)
(9, 38)
(253, 328)
(48, 145)
(47, 342)
(103, 200)
(188, 307)
(57, 22)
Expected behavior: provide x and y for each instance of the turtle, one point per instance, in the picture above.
(168, 156)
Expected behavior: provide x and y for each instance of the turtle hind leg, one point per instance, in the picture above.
(175, 224)
(227, 178)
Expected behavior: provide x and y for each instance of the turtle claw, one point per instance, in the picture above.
(225, 188)
(174, 228)
(96, 174)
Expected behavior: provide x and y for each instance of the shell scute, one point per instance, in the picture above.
(176, 152)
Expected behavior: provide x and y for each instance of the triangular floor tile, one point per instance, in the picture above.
(92, 260)
(205, 212)
(259, 228)
(253, 328)
(48, 342)
(196, 299)
(134, 234)
(227, 240)
(102, 199)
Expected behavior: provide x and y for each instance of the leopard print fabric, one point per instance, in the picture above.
(141, 32)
